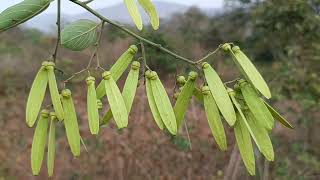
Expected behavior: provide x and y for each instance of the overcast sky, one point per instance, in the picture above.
(70, 8)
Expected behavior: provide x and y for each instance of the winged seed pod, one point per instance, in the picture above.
(248, 69)
(163, 103)
(181, 81)
(265, 144)
(219, 93)
(278, 116)
(134, 13)
(152, 104)
(71, 122)
(118, 68)
(36, 95)
(39, 142)
(152, 12)
(129, 90)
(184, 98)
(55, 96)
(51, 144)
(239, 108)
(92, 106)
(214, 118)
(244, 144)
(117, 104)
(256, 106)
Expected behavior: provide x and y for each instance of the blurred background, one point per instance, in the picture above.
(281, 37)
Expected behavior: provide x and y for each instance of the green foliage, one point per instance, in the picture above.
(79, 35)
(21, 12)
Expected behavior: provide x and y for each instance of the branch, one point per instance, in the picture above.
(121, 27)
(87, 2)
(59, 31)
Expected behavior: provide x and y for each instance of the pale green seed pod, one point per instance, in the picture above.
(71, 122)
(134, 13)
(117, 104)
(152, 12)
(249, 71)
(39, 142)
(152, 104)
(261, 134)
(36, 95)
(244, 144)
(118, 68)
(184, 98)
(163, 103)
(92, 106)
(239, 104)
(51, 144)
(277, 116)
(239, 108)
(181, 81)
(214, 118)
(219, 94)
(256, 106)
(226, 47)
(129, 90)
(54, 92)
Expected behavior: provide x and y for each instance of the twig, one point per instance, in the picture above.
(232, 81)
(94, 54)
(98, 47)
(121, 27)
(87, 2)
(208, 55)
(144, 58)
(187, 131)
(54, 56)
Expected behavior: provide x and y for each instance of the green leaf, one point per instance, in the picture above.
(219, 94)
(54, 92)
(152, 104)
(21, 13)
(244, 144)
(117, 104)
(71, 122)
(250, 71)
(51, 145)
(134, 13)
(265, 144)
(36, 95)
(129, 90)
(184, 98)
(214, 118)
(39, 142)
(163, 103)
(79, 35)
(278, 116)
(92, 106)
(118, 68)
(151, 11)
(255, 104)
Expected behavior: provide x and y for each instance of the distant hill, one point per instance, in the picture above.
(118, 12)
